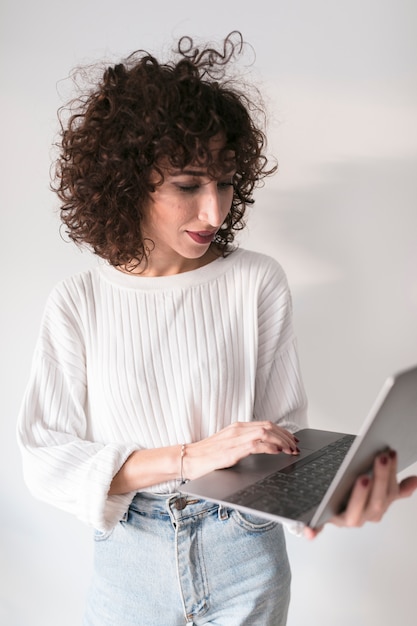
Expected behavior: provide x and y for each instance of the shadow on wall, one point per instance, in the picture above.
(349, 249)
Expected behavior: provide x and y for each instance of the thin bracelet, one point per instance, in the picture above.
(183, 450)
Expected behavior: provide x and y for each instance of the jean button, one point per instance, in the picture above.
(180, 504)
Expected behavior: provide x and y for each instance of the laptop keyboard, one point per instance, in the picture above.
(299, 487)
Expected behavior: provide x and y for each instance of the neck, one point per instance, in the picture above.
(150, 267)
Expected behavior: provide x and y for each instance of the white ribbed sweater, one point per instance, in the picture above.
(128, 362)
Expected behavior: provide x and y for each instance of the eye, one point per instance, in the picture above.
(225, 185)
(188, 188)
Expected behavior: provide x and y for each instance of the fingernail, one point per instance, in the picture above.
(392, 454)
(279, 449)
(383, 459)
(365, 481)
(297, 440)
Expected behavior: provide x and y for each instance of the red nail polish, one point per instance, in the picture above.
(296, 440)
(383, 459)
(392, 454)
(365, 481)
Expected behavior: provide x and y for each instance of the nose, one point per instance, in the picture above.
(211, 210)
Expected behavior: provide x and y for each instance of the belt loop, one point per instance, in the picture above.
(223, 513)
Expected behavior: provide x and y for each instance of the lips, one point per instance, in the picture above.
(202, 236)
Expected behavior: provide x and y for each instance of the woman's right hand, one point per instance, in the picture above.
(235, 442)
(148, 467)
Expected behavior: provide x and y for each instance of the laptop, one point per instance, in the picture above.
(310, 488)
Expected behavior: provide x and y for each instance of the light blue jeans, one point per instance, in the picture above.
(202, 564)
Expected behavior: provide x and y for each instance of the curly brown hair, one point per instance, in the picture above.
(140, 113)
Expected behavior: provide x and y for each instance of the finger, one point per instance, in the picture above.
(311, 533)
(407, 486)
(354, 514)
(264, 431)
(276, 439)
(383, 482)
(269, 447)
(393, 487)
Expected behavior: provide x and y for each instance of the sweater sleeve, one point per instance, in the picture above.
(280, 395)
(60, 465)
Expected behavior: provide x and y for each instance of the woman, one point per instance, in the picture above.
(174, 357)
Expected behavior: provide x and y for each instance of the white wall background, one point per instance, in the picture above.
(340, 79)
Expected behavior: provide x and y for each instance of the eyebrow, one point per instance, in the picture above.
(188, 173)
(198, 173)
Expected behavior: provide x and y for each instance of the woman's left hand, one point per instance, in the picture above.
(372, 495)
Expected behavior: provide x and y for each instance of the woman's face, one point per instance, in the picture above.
(183, 216)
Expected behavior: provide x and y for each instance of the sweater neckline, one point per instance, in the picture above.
(175, 281)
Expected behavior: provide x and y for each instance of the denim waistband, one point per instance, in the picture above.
(177, 505)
